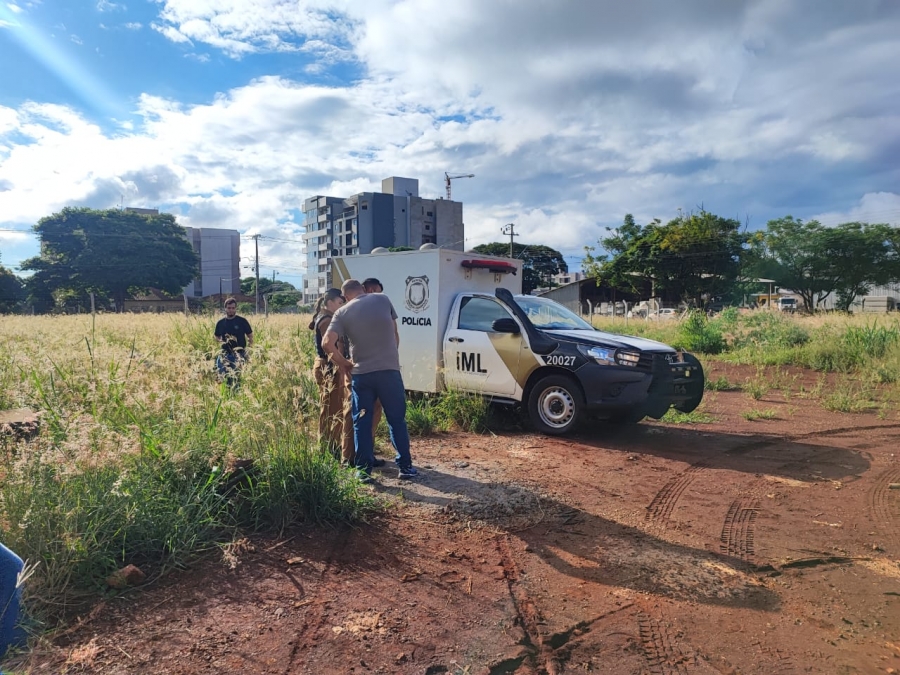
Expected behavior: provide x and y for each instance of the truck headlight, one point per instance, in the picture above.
(628, 358)
(602, 355)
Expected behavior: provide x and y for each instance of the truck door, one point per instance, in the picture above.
(476, 357)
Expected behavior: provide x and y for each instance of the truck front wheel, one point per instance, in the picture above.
(554, 405)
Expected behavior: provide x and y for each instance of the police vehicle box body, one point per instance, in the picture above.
(464, 325)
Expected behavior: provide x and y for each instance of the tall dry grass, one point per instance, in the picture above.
(131, 464)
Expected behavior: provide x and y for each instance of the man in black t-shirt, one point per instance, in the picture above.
(235, 335)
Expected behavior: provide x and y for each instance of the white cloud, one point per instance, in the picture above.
(77, 40)
(14, 8)
(569, 116)
(8, 238)
(240, 27)
(107, 6)
(133, 25)
(874, 207)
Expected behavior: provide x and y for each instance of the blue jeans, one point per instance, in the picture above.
(10, 566)
(387, 386)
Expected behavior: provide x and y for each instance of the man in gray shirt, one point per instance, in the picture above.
(369, 325)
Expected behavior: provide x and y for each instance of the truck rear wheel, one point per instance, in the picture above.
(555, 404)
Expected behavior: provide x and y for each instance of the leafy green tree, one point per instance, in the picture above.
(12, 290)
(111, 252)
(862, 256)
(279, 300)
(791, 253)
(816, 261)
(695, 257)
(266, 286)
(539, 262)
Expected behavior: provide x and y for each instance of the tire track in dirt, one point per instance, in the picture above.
(660, 509)
(737, 538)
(545, 654)
(662, 655)
(663, 504)
(884, 504)
(527, 617)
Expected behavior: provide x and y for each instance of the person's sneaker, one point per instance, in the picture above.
(364, 477)
(408, 472)
(378, 462)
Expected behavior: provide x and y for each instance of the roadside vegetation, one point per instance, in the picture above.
(864, 345)
(864, 350)
(143, 458)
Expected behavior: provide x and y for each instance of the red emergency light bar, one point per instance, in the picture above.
(496, 266)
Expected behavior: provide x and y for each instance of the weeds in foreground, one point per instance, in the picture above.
(721, 383)
(852, 399)
(451, 410)
(814, 392)
(756, 387)
(696, 417)
(755, 414)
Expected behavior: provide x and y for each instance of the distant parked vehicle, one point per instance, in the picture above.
(787, 305)
(665, 314)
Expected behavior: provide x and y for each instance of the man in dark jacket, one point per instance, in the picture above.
(235, 335)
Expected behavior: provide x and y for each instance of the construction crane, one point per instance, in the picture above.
(448, 178)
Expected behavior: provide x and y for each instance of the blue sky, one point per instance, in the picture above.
(230, 112)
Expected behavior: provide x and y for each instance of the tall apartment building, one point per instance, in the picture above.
(220, 261)
(220, 258)
(396, 216)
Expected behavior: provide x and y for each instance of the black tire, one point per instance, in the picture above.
(697, 387)
(555, 405)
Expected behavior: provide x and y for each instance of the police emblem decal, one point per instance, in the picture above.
(416, 299)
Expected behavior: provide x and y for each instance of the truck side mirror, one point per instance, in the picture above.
(505, 326)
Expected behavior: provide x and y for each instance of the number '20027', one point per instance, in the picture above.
(560, 360)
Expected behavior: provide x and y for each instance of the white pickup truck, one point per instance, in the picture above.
(463, 325)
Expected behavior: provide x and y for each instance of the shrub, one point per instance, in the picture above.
(698, 334)
(772, 330)
(870, 341)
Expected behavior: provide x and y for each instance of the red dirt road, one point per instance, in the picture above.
(766, 546)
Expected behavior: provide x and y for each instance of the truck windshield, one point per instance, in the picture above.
(548, 315)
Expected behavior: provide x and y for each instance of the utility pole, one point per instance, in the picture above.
(510, 229)
(256, 265)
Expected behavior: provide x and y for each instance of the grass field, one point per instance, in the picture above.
(132, 460)
(131, 464)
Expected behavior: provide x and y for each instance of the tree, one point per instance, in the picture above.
(861, 256)
(266, 285)
(279, 300)
(816, 261)
(12, 291)
(111, 252)
(694, 257)
(539, 262)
